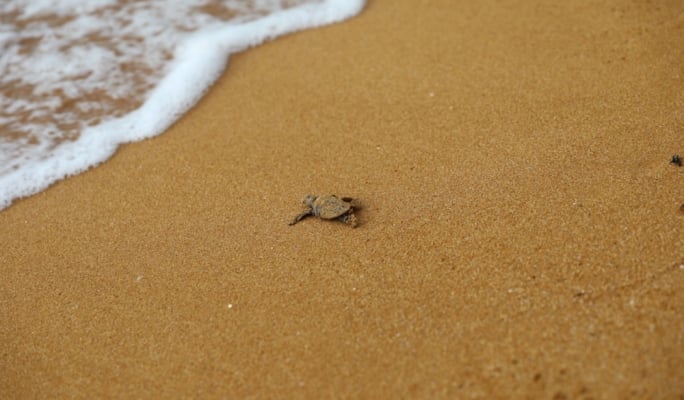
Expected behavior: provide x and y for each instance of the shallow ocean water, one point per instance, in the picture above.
(77, 79)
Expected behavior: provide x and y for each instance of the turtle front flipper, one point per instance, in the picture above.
(300, 217)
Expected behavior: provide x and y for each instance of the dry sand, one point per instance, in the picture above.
(521, 234)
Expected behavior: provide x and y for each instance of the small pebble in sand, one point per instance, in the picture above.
(676, 160)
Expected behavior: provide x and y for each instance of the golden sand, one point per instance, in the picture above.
(520, 234)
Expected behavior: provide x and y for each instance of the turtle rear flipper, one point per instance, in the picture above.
(355, 203)
(349, 219)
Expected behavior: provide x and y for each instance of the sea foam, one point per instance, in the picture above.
(79, 78)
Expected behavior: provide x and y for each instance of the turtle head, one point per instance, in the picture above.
(309, 200)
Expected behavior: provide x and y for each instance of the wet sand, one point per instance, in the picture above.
(521, 233)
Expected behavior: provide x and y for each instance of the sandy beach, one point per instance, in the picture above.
(520, 233)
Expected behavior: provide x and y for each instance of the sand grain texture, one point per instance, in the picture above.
(521, 234)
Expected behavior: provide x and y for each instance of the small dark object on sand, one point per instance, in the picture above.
(676, 160)
(329, 207)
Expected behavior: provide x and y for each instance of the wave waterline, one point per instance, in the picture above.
(77, 81)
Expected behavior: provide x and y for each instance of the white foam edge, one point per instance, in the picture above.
(197, 64)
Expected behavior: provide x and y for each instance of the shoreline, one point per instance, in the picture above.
(520, 234)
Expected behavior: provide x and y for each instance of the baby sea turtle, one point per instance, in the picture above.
(329, 207)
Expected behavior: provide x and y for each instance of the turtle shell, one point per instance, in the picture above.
(330, 207)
